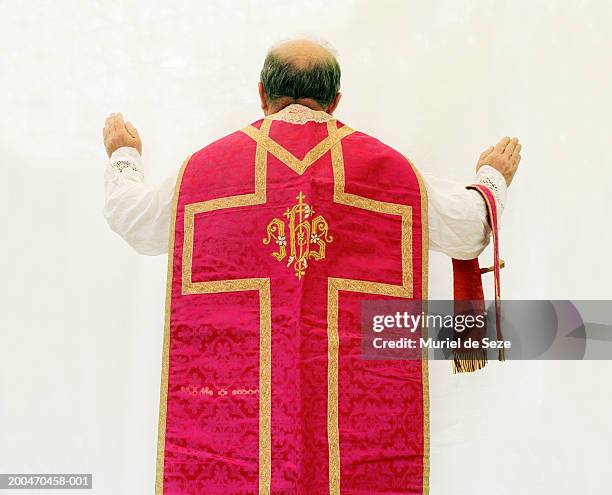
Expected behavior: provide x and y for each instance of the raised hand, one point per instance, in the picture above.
(504, 156)
(117, 133)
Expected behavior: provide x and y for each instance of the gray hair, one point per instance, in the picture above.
(319, 81)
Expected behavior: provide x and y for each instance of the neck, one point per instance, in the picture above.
(285, 101)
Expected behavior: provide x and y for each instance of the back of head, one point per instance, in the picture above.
(301, 69)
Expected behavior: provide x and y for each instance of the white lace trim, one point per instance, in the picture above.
(122, 165)
(492, 186)
(300, 114)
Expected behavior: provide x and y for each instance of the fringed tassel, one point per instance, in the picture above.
(469, 361)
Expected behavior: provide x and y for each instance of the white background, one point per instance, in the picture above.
(82, 314)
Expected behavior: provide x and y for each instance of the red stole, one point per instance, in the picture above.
(469, 296)
(280, 232)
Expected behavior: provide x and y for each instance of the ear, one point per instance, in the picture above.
(263, 97)
(332, 106)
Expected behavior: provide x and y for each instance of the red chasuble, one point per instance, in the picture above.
(280, 231)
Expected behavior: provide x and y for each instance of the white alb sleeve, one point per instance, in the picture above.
(458, 217)
(139, 213)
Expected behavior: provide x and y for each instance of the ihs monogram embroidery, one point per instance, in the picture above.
(307, 238)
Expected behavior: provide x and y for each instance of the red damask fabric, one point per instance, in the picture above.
(264, 389)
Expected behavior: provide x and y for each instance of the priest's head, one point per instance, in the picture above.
(300, 71)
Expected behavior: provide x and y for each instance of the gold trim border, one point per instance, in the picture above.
(298, 166)
(404, 291)
(262, 285)
(163, 399)
(425, 354)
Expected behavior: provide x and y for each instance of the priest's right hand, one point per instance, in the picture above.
(117, 133)
(504, 157)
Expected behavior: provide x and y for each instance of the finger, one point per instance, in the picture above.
(112, 124)
(116, 121)
(510, 146)
(486, 152)
(518, 160)
(109, 119)
(131, 130)
(119, 121)
(501, 146)
(106, 131)
(516, 152)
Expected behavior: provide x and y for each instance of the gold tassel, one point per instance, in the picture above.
(502, 264)
(469, 361)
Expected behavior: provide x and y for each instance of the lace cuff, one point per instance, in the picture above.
(495, 182)
(126, 161)
(121, 165)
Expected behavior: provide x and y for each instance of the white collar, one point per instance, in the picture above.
(300, 114)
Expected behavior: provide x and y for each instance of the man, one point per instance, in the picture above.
(276, 234)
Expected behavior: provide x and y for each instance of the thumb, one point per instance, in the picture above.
(132, 130)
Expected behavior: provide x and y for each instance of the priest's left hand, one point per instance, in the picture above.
(117, 133)
(504, 157)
